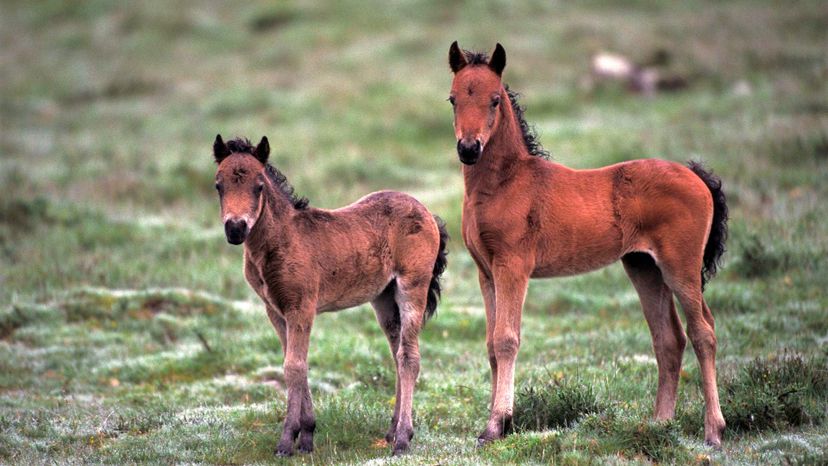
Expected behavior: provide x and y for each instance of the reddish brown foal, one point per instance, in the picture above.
(524, 216)
(385, 248)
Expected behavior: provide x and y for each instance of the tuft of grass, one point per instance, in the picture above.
(774, 393)
(19, 216)
(554, 403)
(809, 458)
(354, 421)
(795, 149)
(541, 447)
(271, 17)
(657, 441)
(138, 421)
(630, 435)
(101, 304)
(769, 394)
(760, 258)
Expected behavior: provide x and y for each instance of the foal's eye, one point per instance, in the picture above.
(451, 99)
(218, 187)
(495, 101)
(258, 189)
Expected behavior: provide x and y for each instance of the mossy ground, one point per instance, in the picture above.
(128, 334)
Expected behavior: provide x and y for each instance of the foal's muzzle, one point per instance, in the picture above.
(236, 231)
(469, 151)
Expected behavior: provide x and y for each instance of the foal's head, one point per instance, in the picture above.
(476, 98)
(240, 180)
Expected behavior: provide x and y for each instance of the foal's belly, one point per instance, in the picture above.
(577, 244)
(564, 268)
(575, 258)
(351, 293)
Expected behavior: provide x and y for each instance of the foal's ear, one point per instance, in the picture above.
(220, 150)
(262, 150)
(457, 60)
(498, 60)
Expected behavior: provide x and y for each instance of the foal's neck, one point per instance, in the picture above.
(274, 222)
(501, 154)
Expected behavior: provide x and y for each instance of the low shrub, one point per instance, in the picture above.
(554, 403)
(759, 259)
(773, 393)
(658, 441)
(769, 393)
(521, 448)
(632, 436)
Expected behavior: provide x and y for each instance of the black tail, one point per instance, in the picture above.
(439, 268)
(715, 246)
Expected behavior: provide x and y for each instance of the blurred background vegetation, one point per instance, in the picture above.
(127, 332)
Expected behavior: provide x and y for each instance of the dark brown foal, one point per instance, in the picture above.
(386, 248)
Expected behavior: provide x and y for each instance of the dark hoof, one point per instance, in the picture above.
(285, 448)
(402, 439)
(305, 446)
(400, 449)
(495, 431)
(392, 431)
(306, 442)
(488, 436)
(713, 436)
(714, 444)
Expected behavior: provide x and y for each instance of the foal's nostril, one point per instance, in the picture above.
(469, 150)
(236, 231)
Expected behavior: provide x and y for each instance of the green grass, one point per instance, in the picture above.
(128, 334)
(543, 404)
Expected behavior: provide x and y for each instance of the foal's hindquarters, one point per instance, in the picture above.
(386, 249)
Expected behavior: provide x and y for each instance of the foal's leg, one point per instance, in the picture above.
(511, 281)
(279, 324)
(308, 427)
(307, 421)
(388, 316)
(665, 327)
(700, 329)
(703, 336)
(299, 415)
(488, 290)
(411, 299)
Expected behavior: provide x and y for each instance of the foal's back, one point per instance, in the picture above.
(582, 220)
(361, 248)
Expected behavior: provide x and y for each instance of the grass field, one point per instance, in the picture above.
(128, 334)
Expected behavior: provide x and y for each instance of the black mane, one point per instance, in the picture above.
(243, 146)
(281, 182)
(476, 58)
(530, 135)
